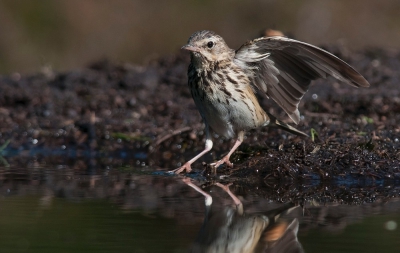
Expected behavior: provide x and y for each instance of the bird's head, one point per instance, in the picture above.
(207, 48)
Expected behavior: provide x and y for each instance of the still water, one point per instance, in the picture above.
(61, 209)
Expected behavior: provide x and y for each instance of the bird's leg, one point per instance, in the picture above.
(187, 165)
(238, 203)
(208, 198)
(225, 159)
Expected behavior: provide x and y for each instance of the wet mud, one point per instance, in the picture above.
(143, 117)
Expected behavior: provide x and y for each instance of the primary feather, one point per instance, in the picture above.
(283, 68)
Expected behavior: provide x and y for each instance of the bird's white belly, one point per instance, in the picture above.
(228, 119)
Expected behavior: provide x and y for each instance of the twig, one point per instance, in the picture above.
(176, 132)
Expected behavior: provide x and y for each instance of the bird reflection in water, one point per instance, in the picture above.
(231, 230)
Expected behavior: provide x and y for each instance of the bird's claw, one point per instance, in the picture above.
(222, 161)
(235, 199)
(179, 170)
(224, 187)
(186, 180)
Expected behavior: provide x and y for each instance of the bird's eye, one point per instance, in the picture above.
(210, 44)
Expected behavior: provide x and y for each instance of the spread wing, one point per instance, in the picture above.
(284, 68)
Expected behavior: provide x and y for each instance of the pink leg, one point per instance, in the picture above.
(235, 199)
(225, 159)
(207, 196)
(187, 165)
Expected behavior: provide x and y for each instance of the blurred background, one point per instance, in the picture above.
(69, 34)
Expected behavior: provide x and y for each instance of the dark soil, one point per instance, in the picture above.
(144, 115)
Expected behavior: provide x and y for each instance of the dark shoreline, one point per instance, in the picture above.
(144, 115)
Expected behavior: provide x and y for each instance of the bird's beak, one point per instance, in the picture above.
(191, 48)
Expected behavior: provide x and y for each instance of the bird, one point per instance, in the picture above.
(223, 83)
(232, 230)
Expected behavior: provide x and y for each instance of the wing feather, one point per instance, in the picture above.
(283, 69)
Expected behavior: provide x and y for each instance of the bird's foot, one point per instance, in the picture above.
(187, 180)
(179, 170)
(224, 187)
(207, 196)
(222, 161)
(235, 199)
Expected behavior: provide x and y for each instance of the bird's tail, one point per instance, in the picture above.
(274, 122)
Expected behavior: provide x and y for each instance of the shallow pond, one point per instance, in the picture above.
(61, 208)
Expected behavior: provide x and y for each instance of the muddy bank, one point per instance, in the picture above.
(144, 115)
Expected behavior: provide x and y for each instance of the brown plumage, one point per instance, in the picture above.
(232, 230)
(223, 82)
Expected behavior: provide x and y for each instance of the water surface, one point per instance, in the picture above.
(64, 209)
